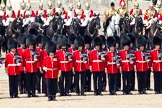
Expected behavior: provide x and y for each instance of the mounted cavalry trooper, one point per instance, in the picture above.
(87, 16)
(59, 10)
(150, 16)
(41, 12)
(50, 13)
(70, 14)
(158, 5)
(2, 9)
(108, 14)
(21, 12)
(9, 15)
(122, 11)
(29, 14)
(135, 12)
(79, 11)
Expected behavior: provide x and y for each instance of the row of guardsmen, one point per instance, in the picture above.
(62, 59)
(28, 14)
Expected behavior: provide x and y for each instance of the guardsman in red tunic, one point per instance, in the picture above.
(156, 60)
(88, 39)
(96, 60)
(104, 49)
(71, 50)
(21, 12)
(148, 50)
(12, 64)
(20, 51)
(112, 65)
(51, 67)
(79, 62)
(30, 65)
(39, 49)
(126, 64)
(141, 63)
(132, 50)
(65, 58)
(117, 50)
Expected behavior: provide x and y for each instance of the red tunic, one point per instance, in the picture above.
(21, 52)
(95, 61)
(112, 67)
(52, 66)
(30, 63)
(65, 64)
(19, 14)
(44, 14)
(140, 62)
(156, 62)
(125, 64)
(10, 64)
(78, 64)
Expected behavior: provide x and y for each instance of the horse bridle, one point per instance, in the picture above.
(92, 34)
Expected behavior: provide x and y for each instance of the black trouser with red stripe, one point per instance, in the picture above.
(13, 85)
(118, 80)
(65, 82)
(148, 75)
(80, 76)
(88, 81)
(31, 83)
(112, 81)
(141, 77)
(158, 82)
(127, 82)
(22, 83)
(52, 87)
(97, 82)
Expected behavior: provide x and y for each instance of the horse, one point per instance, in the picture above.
(34, 25)
(125, 25)
(13, 30)
(93, 27)
(2, 35)
(39, 19)
(73, 28)
(152, 31)
(113, 27)
(55, 26)
(137, 28)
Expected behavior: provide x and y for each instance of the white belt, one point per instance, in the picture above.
(12, 65)
(78, 61)
(111, 63)
(30, 61)
(124, 61)
(52, 69)
(141, 61)
(157, 61)
(97, 61)
(64, 61)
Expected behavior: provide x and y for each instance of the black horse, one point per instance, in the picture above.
(13, 30)
(39, 19)
(73, 28)
(125, 24)
(55, 26)
(137, 28)
(93, 26)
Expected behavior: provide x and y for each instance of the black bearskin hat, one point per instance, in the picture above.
(111, 42)
(51, 47)
(79, 41)
(141, 41)
(125, 40)
(12, 43)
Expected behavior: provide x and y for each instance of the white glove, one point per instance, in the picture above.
(0, 65)
(45, 69)
(105, 70)
(90, 68)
